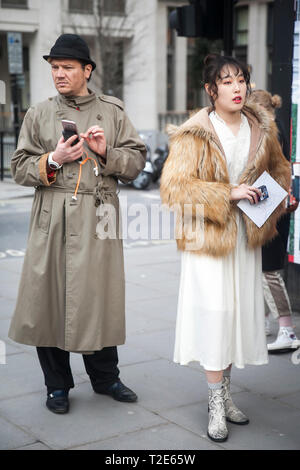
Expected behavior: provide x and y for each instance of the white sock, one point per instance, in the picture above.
(214, 386)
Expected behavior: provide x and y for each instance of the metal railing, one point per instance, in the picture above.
(7, 148)
(171, 117)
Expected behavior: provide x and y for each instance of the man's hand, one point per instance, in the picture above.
(96, 140)
(245, 192)
(65, 153)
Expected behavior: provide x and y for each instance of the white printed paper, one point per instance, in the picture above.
(260, 212)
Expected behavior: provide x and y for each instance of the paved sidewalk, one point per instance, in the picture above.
(172, 409)
(10, 190)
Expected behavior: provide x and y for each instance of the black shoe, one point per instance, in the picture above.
(58, 401)
(120, 392)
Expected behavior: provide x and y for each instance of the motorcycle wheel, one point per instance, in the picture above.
(142, 181)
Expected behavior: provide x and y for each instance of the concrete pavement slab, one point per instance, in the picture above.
(9, 189)
(154, 255)
(161, 384)
(172, 398)
(162, 342)
(272, 425)
(4, 326)
(11, 348)
(92, 417)
(292, 400)
(37, 446)
(21, 375)
(127, 355)
(7, 307)
(9, 289)
(145, 273)
(164, 308)
(162, 437)
(170, 268)
(11, 265)
(137, 292)
(275, 379)
(138, 322)
(166, 286)
(12, 436)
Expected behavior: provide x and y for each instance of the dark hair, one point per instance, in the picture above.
(83, 64)
(213, 65)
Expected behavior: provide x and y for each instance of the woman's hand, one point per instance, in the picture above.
(96, 140)
(243, 191)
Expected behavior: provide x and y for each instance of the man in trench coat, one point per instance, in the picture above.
(71, 293)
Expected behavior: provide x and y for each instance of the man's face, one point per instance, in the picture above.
(70, 79)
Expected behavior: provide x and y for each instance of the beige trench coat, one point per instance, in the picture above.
(71, 293)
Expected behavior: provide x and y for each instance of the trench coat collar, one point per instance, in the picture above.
(81, 103)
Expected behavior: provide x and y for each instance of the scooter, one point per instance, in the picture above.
(154, 165)
(159, 157)
(144, 178)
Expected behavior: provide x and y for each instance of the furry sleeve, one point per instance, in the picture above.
(181, 181)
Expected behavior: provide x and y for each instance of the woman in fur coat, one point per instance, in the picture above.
(215, 157)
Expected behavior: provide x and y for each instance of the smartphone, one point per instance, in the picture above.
(264, 192)
(69, 129)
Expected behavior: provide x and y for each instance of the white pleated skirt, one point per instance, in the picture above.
(220, 316)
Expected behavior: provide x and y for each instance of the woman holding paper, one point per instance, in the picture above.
(215, 157)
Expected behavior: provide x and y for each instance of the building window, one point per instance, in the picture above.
(81, 6)
(170, 67)
(241, 26)
(270, 35)
(112, 67)
(14, 4)
(241, 33)
(198, 48)
(114, 7)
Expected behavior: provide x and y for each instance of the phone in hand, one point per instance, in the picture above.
(264, 193)
(69, 129)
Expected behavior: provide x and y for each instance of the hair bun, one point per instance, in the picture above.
(276, 101)
(210, 58)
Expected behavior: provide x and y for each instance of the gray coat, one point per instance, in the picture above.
(71, 293)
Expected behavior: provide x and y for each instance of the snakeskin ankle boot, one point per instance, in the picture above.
(233, 414)
(217, 430)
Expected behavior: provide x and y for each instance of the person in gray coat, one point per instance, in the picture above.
(72, 291)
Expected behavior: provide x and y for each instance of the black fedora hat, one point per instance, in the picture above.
(70, 46)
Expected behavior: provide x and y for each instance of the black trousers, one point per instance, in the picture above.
(100, 366)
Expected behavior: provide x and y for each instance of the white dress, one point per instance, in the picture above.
(220, 317)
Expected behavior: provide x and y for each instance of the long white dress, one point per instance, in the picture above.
(220, 316)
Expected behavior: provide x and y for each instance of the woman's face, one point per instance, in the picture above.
(232, 90)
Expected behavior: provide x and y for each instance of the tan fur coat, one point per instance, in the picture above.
(195, 173)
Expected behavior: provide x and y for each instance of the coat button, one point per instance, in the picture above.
(99, 117)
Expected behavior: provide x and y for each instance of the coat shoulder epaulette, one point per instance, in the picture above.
(112, 100)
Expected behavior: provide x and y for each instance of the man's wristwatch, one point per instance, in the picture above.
(52, 164)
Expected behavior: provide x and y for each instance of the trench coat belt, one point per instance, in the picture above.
(62, 189)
